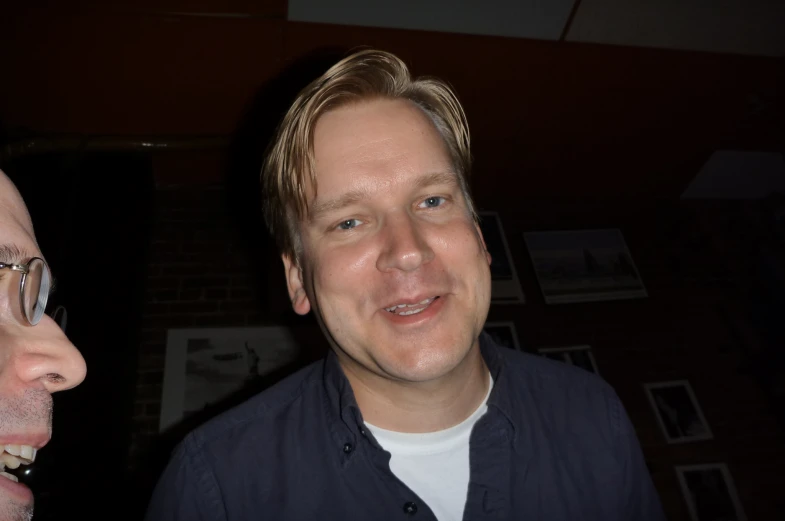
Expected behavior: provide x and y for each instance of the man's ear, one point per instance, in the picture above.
(482, 240)
(294, 282)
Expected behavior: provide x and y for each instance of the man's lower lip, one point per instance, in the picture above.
(17, 489)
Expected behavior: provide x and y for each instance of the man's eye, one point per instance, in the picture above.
(348, 224)
(432, 202)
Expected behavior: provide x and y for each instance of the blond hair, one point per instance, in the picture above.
(365, 75)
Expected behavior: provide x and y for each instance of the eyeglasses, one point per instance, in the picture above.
(33, 288)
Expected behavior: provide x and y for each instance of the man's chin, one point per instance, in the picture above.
(13, 509)
(424, 365)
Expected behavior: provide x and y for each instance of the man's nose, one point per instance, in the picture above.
(405, 247)
(42, 353)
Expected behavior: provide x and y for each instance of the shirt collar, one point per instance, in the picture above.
(346, 421)
(502, 391)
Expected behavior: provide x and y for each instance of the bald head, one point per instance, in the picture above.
(12, 207)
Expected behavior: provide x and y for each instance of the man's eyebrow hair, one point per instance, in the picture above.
(437, 178)
(332, 205)
(12, 254)
(353, 196)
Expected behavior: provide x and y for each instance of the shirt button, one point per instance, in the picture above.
(410, 508)
(347, 448)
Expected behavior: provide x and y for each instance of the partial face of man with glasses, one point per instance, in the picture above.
(36, 358)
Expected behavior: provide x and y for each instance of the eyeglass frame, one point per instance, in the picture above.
(24, 269)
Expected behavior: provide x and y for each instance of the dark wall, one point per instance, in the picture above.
(573, 119)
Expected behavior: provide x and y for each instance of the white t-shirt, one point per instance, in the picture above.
(435, 465)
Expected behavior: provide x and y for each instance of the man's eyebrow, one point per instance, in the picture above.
(353, 196)
(12, 254)
(333, 205)
(436, 178)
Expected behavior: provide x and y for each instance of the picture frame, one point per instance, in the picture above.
(505, 285)
(503, 333)
(574, 266)
(710, 492)
(678, 412)
(206, 365)
(577, 355)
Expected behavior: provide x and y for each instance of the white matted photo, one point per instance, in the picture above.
(505, 285)
(580, 356)
(503, 333)
(584, 266)
(203, 366)
(710, 492)
(678, 412)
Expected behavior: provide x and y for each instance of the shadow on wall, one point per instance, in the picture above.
(246, 154)
(244, 202)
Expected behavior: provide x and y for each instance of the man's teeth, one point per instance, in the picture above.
(25, 451)
(424, 303)
(14, 455)
(10, 461)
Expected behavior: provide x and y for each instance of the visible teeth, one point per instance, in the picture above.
(28, 453)
(25, 453)
(9, 476)
(16, 450)
(412, 312)
(393, 308)
(11, 461)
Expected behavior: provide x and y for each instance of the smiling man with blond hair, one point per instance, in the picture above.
(415, 412)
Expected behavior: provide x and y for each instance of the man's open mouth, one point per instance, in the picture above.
(411, 309)
(13, 457)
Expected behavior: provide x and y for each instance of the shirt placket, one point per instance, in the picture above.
(401, 502)
(490, 463)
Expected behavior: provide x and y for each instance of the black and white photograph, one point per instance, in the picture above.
(710, 493)
(503, 333)
(580, 356)
(584, 266)
(678, 412)
(505, 285)
(204, 366)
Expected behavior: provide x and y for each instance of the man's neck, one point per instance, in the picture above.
(421, 406)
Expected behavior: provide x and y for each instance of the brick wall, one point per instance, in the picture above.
(203, 273)
(200, 275)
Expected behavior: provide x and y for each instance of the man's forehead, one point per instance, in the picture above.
(17, 239)
(11, 203)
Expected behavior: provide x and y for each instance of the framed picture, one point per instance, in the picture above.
(573, 355)
(503, 333)
(505, 285)
(710, 493)
(584, 266)
(204, 366)
(677, 410)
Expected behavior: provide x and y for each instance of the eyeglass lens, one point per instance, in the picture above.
(36, 291)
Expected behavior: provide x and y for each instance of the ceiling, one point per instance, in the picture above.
(748, 27)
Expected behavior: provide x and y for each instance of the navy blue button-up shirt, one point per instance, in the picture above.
(555, 445)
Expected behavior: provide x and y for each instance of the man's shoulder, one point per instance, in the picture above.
(563, 404)
(548, 383)
(258, 414)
